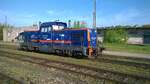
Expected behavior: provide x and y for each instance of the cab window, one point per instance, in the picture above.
(57, 27)
(21, 38)
(46, 29)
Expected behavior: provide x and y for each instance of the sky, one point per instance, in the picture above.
(109, 12)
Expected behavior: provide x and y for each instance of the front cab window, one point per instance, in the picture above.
(20, 38)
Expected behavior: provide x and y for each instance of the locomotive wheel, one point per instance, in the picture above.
(59, 52)
(70, 53)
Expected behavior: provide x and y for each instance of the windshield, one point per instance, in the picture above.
(57, 27)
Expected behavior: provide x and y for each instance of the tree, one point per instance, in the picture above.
(78, 24)
(75, 24)
(115, 35)
(1, 31)
(83, 24)
(2, 26)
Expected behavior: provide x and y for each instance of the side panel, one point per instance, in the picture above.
(45, 41)
(58, 39)
(33, 40)
(77, 38)
(79, 42)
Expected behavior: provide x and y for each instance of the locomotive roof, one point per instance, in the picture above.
(73, 29)
(53, 23)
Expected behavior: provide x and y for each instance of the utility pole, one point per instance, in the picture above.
(94, 14)
(5, 20)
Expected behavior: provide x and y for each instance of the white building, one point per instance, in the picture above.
(9, 34)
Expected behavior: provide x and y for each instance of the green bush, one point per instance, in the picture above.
(115, 35)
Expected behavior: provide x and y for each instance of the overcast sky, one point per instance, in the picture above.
(109, 12)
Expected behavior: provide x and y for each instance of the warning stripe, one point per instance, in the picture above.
(34, 40)
(88, 38)
(45, 41)
(52, 41)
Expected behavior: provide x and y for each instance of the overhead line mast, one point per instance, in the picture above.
(94, 14)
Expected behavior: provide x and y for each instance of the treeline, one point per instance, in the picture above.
(79, 24)
(127, 26)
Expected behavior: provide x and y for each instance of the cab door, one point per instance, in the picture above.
(45, 39)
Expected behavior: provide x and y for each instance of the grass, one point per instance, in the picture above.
(6, 80)
(128, 48)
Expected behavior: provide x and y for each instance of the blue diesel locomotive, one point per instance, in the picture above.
(55, 37)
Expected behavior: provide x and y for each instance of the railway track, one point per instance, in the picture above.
(123, 61)
(112, 76)
(110, 60)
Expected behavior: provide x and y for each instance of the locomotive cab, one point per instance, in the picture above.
(50, 26)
